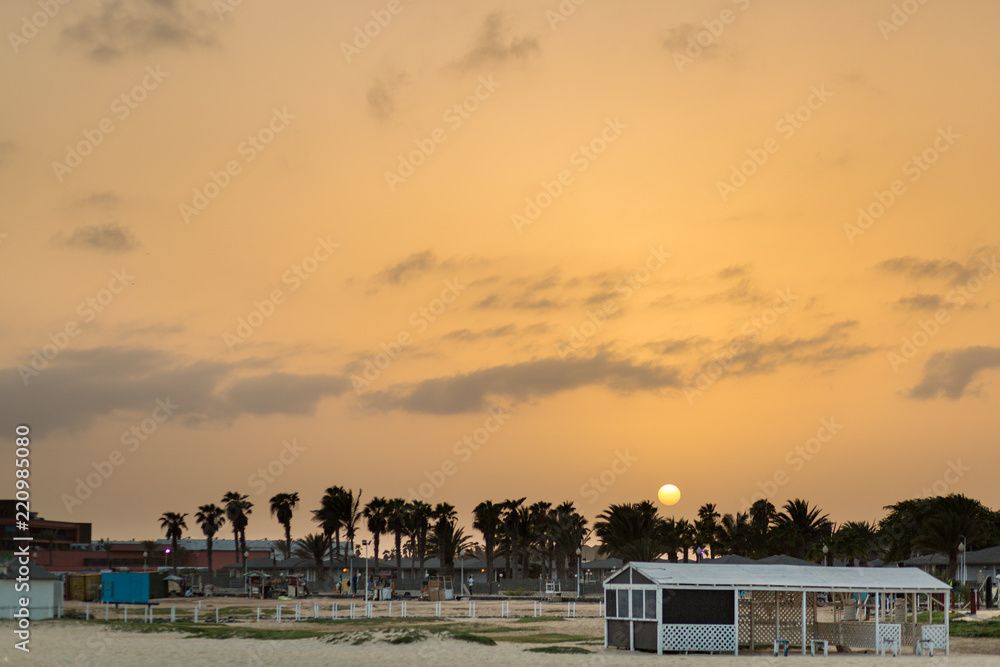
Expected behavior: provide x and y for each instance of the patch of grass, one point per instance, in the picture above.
(211, 630)
(519, 592)
(975, 629)
(539, 619)
(557, 649)
(470, 637)
(409, 637)
(545, 638)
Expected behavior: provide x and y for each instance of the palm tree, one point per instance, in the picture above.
(949, 521)
(735, 534)
(447, 538)
(174, 525)
(150, 547)
(511, 533)
(313, 545)
(707, 528)
(806, 524)
(854, 540)
(105, 545)
(487, 520)
(282, 507)
(396, 522)
(238, 507)
(375, 521)
(330, 517)
(631, 532)
(688, 538)
(444, 524)
(420, 518)
(351, 517)
(211, 518)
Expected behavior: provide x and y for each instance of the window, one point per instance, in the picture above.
(698, 607)
(623, 604)
(610, 606)
(650, 606)
(637, 604)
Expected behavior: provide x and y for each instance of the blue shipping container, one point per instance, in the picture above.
(125, 587)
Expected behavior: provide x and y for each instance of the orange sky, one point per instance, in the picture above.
(633, 235)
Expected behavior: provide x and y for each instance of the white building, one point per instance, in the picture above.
(689, 607)
(44, 592)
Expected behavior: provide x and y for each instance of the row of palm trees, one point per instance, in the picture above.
(543, 539)
(420, 530)
(936, 525)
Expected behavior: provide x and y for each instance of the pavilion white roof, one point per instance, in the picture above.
(789, 577)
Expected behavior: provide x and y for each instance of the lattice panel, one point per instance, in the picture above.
(890, 633)
(936, 633)
(700, 638)
(761, 606)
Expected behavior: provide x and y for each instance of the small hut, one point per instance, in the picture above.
(687, 607)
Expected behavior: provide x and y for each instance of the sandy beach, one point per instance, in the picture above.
(370, 641)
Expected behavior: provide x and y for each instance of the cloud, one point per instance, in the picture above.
(121, 27)
(494, 46)
(382, 95)
(949, 270)
(920, 302)
(949, 373)
(475, 391)
(80, 386)
(7, 148)
(755, 358)
(110, 237)
(408, 269)
(679, 38)
(282, 393)
(468, 334)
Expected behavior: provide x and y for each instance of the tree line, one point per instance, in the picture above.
(544, 539)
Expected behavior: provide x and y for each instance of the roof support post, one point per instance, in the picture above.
(803, 622)
(947, 621)
(877, 607)
(736, 620)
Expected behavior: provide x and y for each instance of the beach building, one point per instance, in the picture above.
(45, 592)
(678, 607)
(58, 535)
